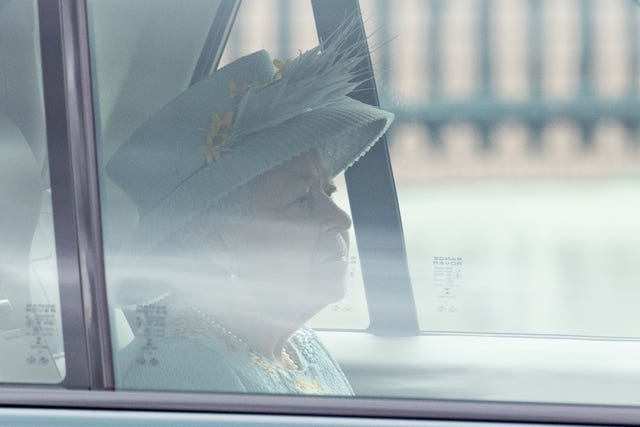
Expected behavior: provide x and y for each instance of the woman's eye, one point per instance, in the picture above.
(302, 200)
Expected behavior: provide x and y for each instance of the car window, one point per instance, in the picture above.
(514, 153)
(515, 158)
(240, 258)
(31, 346)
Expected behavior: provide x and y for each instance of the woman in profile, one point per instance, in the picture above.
(239, 242)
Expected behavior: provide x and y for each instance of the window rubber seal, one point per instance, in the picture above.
(370, 408)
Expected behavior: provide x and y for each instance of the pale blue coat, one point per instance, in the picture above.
(187, 354)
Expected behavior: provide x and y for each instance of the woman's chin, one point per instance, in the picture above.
(330, 288)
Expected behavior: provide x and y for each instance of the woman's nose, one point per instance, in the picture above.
(334, 217)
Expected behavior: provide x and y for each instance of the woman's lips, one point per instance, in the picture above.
(335, 250)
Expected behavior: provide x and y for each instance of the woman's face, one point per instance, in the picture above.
(295, 247)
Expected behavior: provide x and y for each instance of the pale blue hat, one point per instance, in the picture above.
(238, 123)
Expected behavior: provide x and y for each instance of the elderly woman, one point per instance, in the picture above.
(239, 242)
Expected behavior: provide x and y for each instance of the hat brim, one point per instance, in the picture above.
(341, 133)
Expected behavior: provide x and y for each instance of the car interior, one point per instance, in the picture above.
(374, 334)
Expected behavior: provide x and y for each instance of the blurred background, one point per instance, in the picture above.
(515, 152)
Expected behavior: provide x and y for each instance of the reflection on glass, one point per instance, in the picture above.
(237, 241)
(515, 154)
(31, 347)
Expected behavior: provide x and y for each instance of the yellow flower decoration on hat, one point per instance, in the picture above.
(217, 136)
(308, 386)
(237, 91)
(221, 125)
(263, 364)
(280, 66)
(212, 152)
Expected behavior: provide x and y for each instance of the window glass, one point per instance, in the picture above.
(515, 155)
(515, 158)
(31, 347)
(226, 220)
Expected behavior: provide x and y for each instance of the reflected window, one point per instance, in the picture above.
(518, 196)
(30, 322)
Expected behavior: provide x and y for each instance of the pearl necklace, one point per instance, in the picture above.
(257, 358)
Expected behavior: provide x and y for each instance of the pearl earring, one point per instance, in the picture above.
(233, 277)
